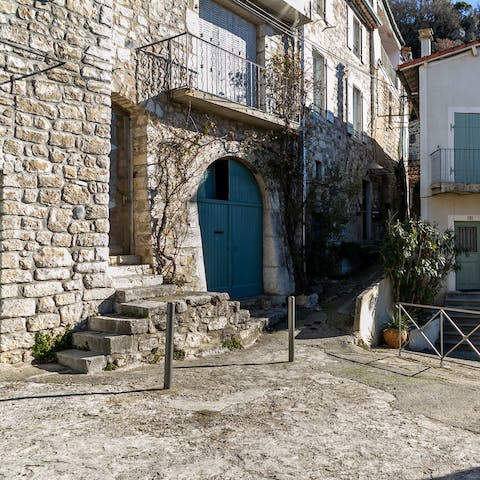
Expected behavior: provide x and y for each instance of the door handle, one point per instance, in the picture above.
(218, 232)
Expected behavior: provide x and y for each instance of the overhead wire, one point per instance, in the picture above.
(286, 29)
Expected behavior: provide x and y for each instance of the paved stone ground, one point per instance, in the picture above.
(338, 412)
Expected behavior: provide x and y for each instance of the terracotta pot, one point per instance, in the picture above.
(390, 336)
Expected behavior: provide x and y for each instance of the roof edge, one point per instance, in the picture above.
(439, 55)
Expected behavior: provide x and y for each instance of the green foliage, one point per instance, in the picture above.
(417, 257)
(47, 344)
(396, 320)
(111, 367)
(232, 343)
(179, 354)
(332, 199)
(455, 21)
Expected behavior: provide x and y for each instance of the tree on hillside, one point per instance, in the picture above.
(456, 22)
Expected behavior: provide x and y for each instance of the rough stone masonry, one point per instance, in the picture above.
(54, 144)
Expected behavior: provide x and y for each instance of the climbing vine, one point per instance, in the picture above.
(175, 151)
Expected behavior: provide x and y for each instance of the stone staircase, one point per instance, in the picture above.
(134, 330)
(466, 322)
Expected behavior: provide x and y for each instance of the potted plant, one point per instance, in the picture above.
(398, 325)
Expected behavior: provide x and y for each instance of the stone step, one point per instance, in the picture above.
(143, 293)
(263, 302)
(126, 270)
(118, 325)
(125, 260)
(81, 361)
(158, 304)
(465, 320)
(143, 307)
(105, 343)
(269, 318)
(134, 281)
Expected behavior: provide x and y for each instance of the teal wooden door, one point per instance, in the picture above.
(467, 235)
(230, 212)
(467, 147)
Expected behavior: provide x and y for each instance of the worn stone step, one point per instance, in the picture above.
(125, 260)
(453, 334)
(81, 361)
(118, 325)
(263, 302)
(158, 304)
(105, 343)
(135, 281)
(143, 293)
(269, 318)
(143, 307)
(126, 270)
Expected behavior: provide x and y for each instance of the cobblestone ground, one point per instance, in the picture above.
(338, 412)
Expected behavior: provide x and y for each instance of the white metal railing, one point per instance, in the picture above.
(388, 68)
(456, 165)
(442, 316)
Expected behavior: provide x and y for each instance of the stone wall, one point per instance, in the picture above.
(372, 157)
(137, 23)
(225, 138)
(55, 129)
(372, 312)
(54, 159)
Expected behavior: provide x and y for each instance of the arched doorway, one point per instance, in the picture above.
(230, 211)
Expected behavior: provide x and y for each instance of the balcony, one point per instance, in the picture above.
(455, 170)
(295, 12)
(196, 72)
(388, 68)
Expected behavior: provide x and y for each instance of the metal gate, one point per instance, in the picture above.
(230, 212)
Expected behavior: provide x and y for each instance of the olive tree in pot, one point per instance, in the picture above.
(417, 257)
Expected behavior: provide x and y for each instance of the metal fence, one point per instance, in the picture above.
(439, 330)
(455, 165)
(188, 61)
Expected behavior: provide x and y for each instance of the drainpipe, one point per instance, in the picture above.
(304, 162)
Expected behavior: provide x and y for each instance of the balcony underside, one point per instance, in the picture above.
(225, 108)
(295, 12)
(452, 187)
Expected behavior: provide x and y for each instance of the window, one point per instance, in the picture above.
(356, 38)
(319, 6)
(390, 110)
(357, 112)
(319, 84)
(319, 170)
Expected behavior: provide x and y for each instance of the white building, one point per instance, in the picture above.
(444, 90)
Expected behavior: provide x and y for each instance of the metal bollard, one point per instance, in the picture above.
(168, 373)
(291, 328)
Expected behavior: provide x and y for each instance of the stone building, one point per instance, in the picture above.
(126, 133)
(357, 129)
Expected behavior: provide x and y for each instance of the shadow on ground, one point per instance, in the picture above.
(472, 474)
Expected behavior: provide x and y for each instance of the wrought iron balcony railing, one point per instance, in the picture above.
(186, 61)
(456, 165)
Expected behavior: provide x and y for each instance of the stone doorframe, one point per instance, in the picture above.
(140, 227)
(276, 277)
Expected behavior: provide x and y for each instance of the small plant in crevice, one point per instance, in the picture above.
(47, 344)
(85, 347)
(179, 354)
(156, 356)
(111, 366)
(232, 343)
